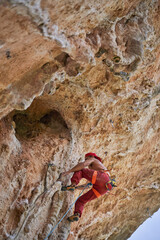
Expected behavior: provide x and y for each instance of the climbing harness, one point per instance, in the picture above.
(96, 192)
(109, 185)
(67, 212)
(94, 177)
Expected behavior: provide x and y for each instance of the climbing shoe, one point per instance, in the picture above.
(68, 188)
(73, 218)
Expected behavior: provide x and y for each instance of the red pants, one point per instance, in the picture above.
(100, 186)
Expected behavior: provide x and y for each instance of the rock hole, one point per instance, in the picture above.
(62, 58)
(49, 68)
(54, 120)
(28, 127)
(72, 68)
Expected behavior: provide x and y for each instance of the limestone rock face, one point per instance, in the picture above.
(75, 77)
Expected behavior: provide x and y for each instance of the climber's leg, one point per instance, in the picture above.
(79, 205)
(77, 176)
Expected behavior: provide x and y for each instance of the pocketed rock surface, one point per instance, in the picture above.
(77, 77)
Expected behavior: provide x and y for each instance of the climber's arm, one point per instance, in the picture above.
(79, 166)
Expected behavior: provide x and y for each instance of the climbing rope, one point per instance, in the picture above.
(67, 211)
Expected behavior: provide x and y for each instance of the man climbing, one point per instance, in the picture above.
(96, 174)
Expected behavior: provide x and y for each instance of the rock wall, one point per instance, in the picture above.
(78, 76)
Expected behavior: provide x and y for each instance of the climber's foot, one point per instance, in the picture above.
(68, 188)
(73, 218)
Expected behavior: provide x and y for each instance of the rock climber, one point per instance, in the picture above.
(96, 173)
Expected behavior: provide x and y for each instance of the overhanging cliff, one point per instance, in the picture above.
(78, 76)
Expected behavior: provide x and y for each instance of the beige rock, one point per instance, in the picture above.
(78, 76)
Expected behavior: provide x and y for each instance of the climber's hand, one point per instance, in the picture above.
(65, 173)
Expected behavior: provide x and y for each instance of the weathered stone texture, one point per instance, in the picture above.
(78, 76)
